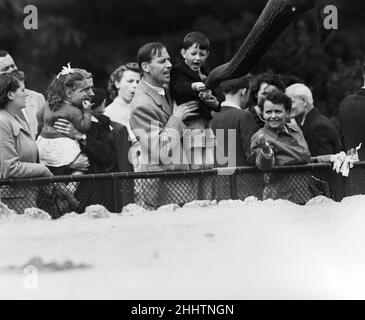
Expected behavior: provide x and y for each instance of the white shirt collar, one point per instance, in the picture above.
(230, 104)
(159, 90)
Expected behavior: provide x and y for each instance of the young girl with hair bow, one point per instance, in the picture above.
(69, 96)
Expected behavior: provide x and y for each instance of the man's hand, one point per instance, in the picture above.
(198, 86)
(66, 127)
(81, 163)
(186, 110)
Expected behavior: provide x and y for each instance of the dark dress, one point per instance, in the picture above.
(121, 145)
(100, 152)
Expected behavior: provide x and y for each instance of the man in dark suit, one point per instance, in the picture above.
(319, 131)
(235, 144)
(352, 119)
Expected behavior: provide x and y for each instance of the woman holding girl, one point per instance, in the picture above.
(18, 151)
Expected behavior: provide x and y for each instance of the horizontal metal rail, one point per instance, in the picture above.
(169, 174)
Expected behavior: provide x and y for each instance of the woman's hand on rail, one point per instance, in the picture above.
(337, 160)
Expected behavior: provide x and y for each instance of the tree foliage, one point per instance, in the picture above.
(100, 35)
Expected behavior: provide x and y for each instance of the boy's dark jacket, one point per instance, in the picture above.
(180, 86)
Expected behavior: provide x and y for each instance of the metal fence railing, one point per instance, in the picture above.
(60, 194)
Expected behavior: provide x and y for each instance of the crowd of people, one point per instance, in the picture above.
(163, 117)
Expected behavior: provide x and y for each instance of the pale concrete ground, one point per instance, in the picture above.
(230, 250)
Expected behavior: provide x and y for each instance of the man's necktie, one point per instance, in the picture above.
(168, 99)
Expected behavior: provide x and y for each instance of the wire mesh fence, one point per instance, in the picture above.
(61, 194)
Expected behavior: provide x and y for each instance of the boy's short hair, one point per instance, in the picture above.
(278, 97)
(233, 85)
(148, 51)
(198, 38)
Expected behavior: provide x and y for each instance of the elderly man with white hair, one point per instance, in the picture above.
(319, 131)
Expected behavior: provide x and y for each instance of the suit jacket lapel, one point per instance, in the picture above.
(160, 101)
(17, 124)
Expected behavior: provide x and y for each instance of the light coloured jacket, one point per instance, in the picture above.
(33, 103)
(18, 150)
(287, 148)
(158, 131)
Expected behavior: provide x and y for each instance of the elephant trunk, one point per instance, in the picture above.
(276, 16)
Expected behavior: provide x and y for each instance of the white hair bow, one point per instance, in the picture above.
(65, 70)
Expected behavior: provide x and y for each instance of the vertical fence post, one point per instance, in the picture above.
(233, 186)
(117, 194)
